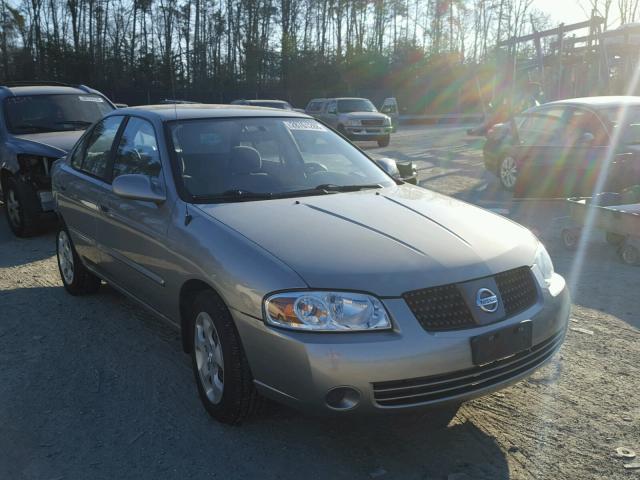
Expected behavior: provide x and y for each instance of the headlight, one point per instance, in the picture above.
(326, 311)
(352, 123)
(387, 121)
(544, 263)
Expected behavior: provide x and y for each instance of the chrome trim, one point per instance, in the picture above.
(130, 263)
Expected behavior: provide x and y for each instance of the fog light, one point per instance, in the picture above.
(343, 398)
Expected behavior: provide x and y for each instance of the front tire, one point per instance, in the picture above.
(224, 380)
(77, 280)
(22, 207)
(508, 173)
(384, 141)
(570, 238)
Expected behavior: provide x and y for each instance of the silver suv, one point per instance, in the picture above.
(297, 269)
(355, 118)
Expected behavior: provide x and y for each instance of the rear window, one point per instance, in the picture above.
(53, 113)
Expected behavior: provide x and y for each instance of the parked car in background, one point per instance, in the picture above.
(355, 118)
(39, 123)
(559, 149)
(281, 104)
(298, 269)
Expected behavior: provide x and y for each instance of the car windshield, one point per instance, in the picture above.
(53, 113)
(355, 105)
(628, 119)
(261, 158)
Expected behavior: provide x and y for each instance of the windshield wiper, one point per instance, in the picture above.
(330, 187)
(239, 195)
(33, 128)
(233, 195)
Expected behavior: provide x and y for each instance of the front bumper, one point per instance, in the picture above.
(299, 368)
(368, 133)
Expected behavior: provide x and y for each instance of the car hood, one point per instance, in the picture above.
(385, 241)
(53, 144)
(363, 115)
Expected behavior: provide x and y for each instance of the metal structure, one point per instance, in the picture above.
(573, 60)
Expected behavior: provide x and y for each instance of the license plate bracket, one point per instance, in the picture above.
(503, 343)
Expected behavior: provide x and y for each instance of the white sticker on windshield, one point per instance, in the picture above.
(85, 98)
(304, 124)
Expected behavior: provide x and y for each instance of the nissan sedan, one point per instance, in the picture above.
(297, 269)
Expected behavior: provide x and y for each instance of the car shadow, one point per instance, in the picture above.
(97, 378)
(24, 250)
(404, 445)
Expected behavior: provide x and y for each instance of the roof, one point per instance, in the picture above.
(263, 100)
(45, 90)
(599, 102)
(192, 111)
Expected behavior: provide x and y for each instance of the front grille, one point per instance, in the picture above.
(517, 289)
(415, 391)
(440, 308)
(444, 308)
(372, 123)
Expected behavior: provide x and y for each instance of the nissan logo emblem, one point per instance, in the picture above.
(487, 300)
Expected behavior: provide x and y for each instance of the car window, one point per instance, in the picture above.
(137, 151)
(581, 122)
(624, 122)
(542, 127)
(266, 155)
(77, 154)
(315, 106)
(98, 146)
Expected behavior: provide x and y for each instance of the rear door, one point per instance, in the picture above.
(81, 183)
(539, 150)
(585, 154)
(132, 232)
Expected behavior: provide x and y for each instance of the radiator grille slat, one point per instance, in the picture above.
(443, 307)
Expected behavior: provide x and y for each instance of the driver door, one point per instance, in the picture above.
(132, 232)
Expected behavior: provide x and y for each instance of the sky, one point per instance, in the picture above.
(563, 11)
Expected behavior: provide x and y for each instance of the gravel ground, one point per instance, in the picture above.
(94, 387)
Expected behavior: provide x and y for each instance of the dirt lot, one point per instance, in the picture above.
(95, 387)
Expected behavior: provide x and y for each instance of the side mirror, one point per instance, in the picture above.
(137, 187)
(332, 110)
(390, 166)
(121, 105)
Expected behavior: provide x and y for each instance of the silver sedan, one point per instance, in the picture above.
(296, 268)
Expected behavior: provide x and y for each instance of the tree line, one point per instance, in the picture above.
(425, 52)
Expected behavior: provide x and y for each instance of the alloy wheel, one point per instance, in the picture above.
(65, 257)
(13, 208)
(508, 173)
(209, 359)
